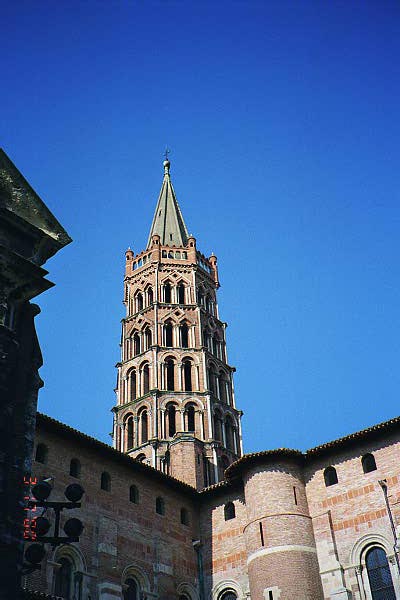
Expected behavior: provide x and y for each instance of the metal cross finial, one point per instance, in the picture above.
(167, 151)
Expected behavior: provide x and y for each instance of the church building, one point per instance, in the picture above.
(175, 510)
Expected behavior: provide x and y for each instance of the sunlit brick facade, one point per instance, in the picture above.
(174, 510)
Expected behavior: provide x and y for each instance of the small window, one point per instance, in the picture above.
(184, 516)
(105, 483)
(330, 476)
(229, 511)
(368, 463)
(41, 453)
(228, 595)
(75, 468)
(134, 494)
(160, 506)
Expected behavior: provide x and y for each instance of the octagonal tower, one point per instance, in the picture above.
(175, 401)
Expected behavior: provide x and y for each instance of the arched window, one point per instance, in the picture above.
(133, 384)
(171, 415)
(41, 453)
(181, 294)
(146, 379)
(187, 375)
(75, 468)
(105, 482)
(136, 344)
(167, 292)
(170, 372)
(184, 516)
(218, 426)
(213, 380)
(168, 340)
(160, 506)
(131, 589)
(330, 476)
(148, 338)
(144, 436)
(222, 386)
(229, 511)
(200, 297)
(134, 494)
(184, 335)
(368, 463)
(380, 578)
(129, 433)
(190, 418)
(208, 304)
(150, 296)
(140, 457)
(139, 302)
(63, 583)
(229, 434)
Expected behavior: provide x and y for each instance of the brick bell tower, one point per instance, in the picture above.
(175, 402)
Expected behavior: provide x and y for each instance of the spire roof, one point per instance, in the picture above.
(168, 222)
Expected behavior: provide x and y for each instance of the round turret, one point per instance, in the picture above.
(282, 557)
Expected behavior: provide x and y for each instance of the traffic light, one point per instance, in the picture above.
(36, 528)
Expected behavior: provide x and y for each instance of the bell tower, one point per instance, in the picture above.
(175, 405)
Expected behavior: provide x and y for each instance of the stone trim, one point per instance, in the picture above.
(274, 549)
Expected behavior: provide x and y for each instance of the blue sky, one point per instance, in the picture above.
(282, 118)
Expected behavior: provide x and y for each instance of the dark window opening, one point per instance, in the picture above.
(41, 453)
(181, 294)
(75, 468)
(160, 506)
(136, 344)
(184, 336)
(63, 578)
(131, 591)
(187, 375)
(146, 379)
(133, 494)
(144, 426)
(368, 463)
(229, 511)
(170, 375)
(261, 534)
(295, 495)
(139, 302)
(133, 385)
(150, 297)
(190, 415)
(184, 516)
(171, 411)
(129, 433)
(330, 476)
(168, 335)
(380, 578)
(105, 482)
(167, 293)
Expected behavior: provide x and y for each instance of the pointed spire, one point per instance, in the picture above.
(168, 222)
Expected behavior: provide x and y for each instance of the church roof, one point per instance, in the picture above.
(168, 222)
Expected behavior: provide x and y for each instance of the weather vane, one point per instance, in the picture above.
(167, 151)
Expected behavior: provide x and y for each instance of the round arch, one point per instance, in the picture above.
(138, 574)
(227, 585)
(188, 589)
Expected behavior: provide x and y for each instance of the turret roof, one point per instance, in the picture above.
(168, 222)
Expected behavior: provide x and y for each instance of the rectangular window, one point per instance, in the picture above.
(295, 495)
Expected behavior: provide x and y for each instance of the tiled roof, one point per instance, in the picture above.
(233, 470)
(111, 453)
(370, 432)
